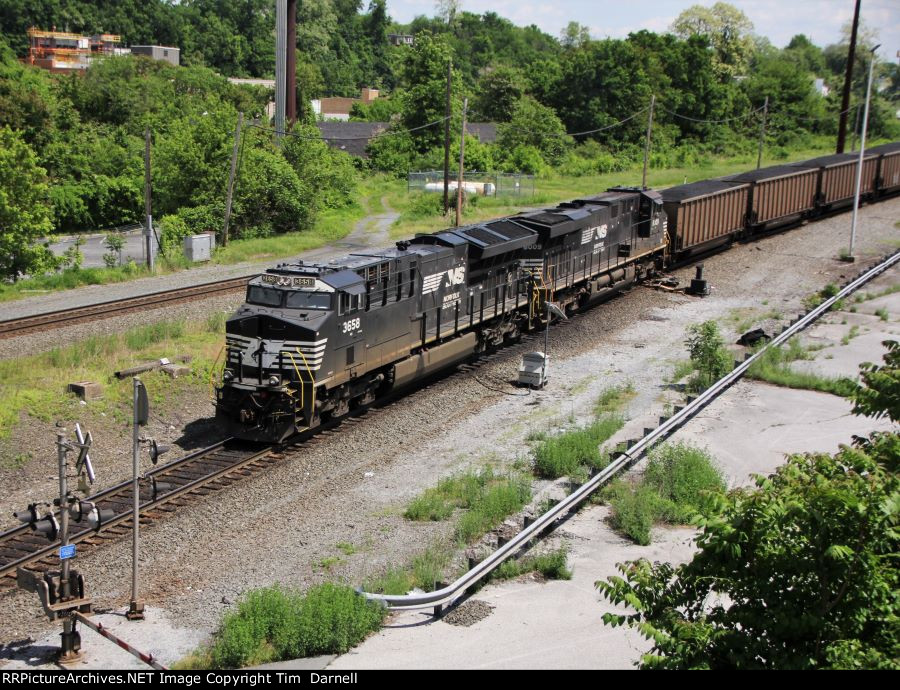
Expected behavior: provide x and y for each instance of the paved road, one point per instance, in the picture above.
(369, 232)
(94, 248)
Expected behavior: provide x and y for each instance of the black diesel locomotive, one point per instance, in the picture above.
(314, 340)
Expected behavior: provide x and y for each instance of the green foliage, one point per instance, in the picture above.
(794, 574)
(634, 509)
(774, 366)
(423, 572)
(728, 30)
(486, 497)
(24, 208)
(685, 478)
(500, 90)
(568, 453)
(537, 126)
(273, 623)
(879, 394)
(498, 501)
(679, 483)
(614, 399)
(708, 354)
(551, 565)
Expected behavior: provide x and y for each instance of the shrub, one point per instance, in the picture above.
(552, 565)
(496, 503)
(709, 356)
(685, 478)
(634, 509)
(275, 623)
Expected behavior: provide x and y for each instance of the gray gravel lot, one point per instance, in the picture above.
(351, 487)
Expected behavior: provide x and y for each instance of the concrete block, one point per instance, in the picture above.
(173, 371)
(86, 390)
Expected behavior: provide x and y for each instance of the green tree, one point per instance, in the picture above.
(537, 126)
(424, 76)
(25, 212)
(575, 35)
(880, 393)
(727, 29)
(499, 90)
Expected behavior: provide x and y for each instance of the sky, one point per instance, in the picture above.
(778, 20)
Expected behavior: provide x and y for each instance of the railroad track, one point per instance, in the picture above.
(196, 474)
(202, 472)
(11, 328)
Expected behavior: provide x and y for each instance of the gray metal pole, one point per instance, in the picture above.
(136, 609)
(862, 149)
(762, 133)
(234, 155)
(63, 510)
(280, 64)
(148, 214)
(647, 142)
(462, 153)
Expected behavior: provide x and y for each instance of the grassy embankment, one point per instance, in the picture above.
(35, 384)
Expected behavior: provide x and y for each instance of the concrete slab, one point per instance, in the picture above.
(534, 625)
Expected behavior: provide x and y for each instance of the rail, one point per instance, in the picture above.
(545, 522)
(10, 328)
(33, 548)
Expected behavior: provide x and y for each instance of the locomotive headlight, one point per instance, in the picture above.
(274, 380)
(227, 375)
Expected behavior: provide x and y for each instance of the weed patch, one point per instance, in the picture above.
(274, 623)
(774, 367)
(550, 565)
(569, 453)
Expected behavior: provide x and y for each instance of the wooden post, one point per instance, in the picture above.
(762, 133)
(848, 82)
(647, 143)
(462, 154)
(447, 140)
(148, 217)
(234, 155)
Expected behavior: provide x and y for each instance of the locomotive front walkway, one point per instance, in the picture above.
(368, 232)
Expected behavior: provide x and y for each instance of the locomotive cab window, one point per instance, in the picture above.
(308, 300)
(264, 296)
(348, 303)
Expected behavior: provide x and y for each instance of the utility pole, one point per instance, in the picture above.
(647, 143)
(462, 153)
(762, 133)
(848, 79)
(148, 217)
(234, 156)
(280, 64)
(855, 128)
(862, 149)
(290, 110)
(447, 140)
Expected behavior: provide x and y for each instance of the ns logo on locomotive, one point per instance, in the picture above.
(315, 340)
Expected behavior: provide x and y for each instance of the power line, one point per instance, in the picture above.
(385, 133)
(711, 122)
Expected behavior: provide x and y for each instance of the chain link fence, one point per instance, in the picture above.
(481, 183)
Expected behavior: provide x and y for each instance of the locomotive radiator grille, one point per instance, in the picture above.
(312, 351)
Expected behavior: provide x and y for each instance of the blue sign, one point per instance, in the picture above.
(67, 551)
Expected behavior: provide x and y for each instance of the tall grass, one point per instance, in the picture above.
(568, 453)
(551, 565)
(774, 366)
(680, 481)
(422, 572)
(36, 384)
(274, 623)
